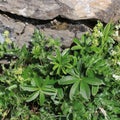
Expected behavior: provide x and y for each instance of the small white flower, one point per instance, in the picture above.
(117, 26)
(113, 52)
(118, 63)
(117, 77)
(103, 112)
(100, 34)
(116, 33)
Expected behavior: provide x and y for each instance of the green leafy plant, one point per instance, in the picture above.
(81, 83)
(43, 81)
(62, 62)
(39, 88)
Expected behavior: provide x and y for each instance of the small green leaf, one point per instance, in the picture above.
(56, 65)
(76, 48)
(67, 80)
(95, 90)
(60, 93)
(29, 88)
(49, 90)
(64, 70)
(73, 89)
(42, 98)
(90, 73)
(65, 51)
(93, 81)
(33, 96)
(85, 90)
(38, 80)
(12, 87)
(76, 41)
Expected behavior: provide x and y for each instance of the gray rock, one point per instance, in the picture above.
(20, 32)
(66, 36)
(1, 38)
(104, 10)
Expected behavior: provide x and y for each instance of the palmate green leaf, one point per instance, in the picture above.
(42, 98)
(73, 89)
(29, 88)
(68, 80)
(85, 90)
(33, 96)
(93, 81)
(95, 90)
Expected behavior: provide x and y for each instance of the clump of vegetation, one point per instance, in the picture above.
(78, 83)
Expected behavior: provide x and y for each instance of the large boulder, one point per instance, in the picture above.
(104, 10)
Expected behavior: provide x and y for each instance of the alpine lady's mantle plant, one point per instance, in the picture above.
(44, 82)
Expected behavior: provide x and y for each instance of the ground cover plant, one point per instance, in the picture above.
(44, 82)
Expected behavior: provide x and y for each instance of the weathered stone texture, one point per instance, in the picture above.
(11, 12)
(20, 32)
(71, 9)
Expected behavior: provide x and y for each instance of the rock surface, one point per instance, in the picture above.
(66, 35)
(21, 17)
(104, 10)
(19, 32)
